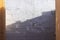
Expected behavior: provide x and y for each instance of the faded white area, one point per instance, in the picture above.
(26, 9)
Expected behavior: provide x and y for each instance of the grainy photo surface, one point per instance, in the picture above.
(30, 19)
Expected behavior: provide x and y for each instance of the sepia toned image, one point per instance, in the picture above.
(30, 19)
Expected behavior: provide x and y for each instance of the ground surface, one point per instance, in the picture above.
(39, 28)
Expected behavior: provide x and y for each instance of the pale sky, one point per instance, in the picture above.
(23, 10)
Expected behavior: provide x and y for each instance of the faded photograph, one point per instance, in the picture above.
(30, 19)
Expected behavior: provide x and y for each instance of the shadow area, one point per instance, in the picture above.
(39, 28)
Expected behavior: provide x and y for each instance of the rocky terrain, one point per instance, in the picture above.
(39, 28)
